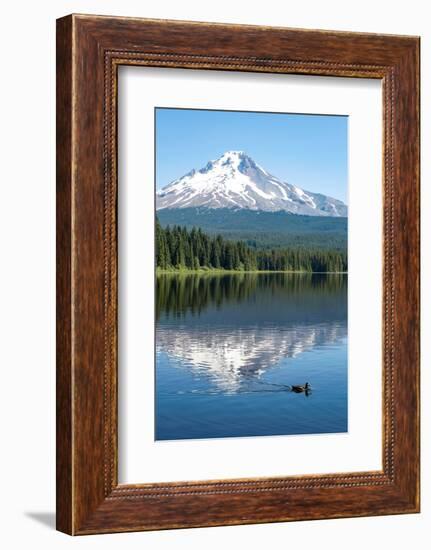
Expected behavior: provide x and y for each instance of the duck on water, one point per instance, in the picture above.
(302, 388)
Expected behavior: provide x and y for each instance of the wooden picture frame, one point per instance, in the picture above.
(89, 51)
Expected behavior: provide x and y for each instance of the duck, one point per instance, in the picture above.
(299, 389)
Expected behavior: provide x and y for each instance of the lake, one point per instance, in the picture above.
(229, 348)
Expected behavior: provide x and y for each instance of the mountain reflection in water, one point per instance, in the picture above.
(226, 343)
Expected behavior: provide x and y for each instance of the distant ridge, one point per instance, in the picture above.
(262, 229)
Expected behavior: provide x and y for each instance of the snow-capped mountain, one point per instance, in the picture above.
(235, 180)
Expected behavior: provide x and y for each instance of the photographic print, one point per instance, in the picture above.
(237, 233)
(251, 274)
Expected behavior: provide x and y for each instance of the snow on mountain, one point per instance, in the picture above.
(235, 180)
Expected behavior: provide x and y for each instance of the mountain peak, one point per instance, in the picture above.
(231, 154)
(236, 160)
(231, 158)
(235, 180)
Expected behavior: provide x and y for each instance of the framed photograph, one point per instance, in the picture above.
(237, 274)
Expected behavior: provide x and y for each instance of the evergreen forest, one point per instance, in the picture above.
(180, 248)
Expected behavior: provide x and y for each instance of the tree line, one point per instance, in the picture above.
(180, 248)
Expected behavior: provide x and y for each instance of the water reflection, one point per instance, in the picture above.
(231, 329)
(178, 295)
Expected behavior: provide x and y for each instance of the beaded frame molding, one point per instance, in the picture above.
(89, 51)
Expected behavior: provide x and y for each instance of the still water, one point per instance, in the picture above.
(229, 348)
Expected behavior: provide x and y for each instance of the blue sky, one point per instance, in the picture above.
(309, 151)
